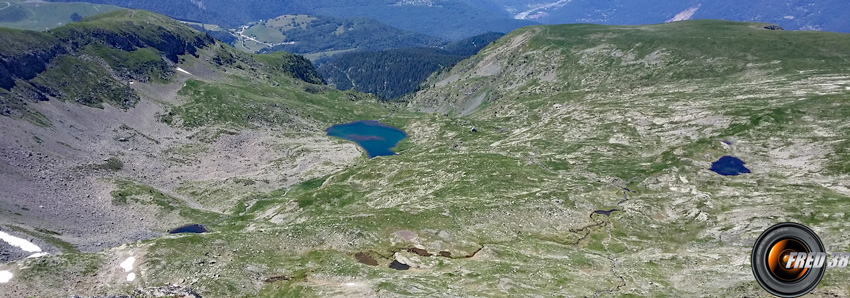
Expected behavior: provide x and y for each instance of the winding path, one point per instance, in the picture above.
(7, 5)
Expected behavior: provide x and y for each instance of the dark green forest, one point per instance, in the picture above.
(390, 74)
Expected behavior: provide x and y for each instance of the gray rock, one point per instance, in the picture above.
(170, 291)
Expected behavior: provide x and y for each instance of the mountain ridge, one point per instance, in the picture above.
(486, 68)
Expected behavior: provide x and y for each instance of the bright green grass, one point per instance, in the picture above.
(266, 34)
(93, 85)
(244, 103)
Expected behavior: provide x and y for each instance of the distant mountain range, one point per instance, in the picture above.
(457, 19)
(827, 15)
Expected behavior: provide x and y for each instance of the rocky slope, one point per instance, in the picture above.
(108, 129)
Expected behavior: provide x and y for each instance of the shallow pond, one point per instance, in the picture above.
(376, 138)
(729, 166)
(197, 229)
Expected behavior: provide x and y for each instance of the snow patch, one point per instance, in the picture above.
(183, 71)
(537, 9)
(128, 264)
(19, 242)
(37, 255)
(685, 14)
(131, 277)
(5, 276)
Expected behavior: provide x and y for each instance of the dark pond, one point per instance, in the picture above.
(399, 265)
(197, 229)
(606, 212)
(729, 166)
(376, 138)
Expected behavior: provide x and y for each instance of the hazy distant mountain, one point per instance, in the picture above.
(448, 19)
(828, 15)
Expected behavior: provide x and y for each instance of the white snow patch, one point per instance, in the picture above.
(5, 276)
(789, 17)
(19, 242)
(131, 277)
(183, 71)
(128, 264)
(37, 255)
(536, 8)
(685, 14)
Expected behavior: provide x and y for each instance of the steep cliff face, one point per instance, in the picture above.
(24, 54)
(129, 30)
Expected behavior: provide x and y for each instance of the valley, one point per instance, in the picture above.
(559, 160)
(318, 37)
(448, 20)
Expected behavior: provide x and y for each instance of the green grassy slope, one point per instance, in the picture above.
(568, 120)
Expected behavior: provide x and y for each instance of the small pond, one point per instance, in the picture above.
(376, 138)
(399, 265)
(197, 229)
(729, 166)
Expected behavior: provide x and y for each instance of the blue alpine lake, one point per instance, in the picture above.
(197, 229)
(376, 138)
(729, 166)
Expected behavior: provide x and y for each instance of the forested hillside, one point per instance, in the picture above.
(393, 73)
(324, 34)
